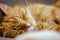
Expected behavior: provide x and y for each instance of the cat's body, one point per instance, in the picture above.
(46, 16)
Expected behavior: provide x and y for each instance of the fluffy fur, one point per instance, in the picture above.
(40, 35)
(46, 16)
(41, 17)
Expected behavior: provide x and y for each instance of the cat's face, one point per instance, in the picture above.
(15, 21)
(25, 16)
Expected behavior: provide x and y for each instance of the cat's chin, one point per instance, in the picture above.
(31, 29)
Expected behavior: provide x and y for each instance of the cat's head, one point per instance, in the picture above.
(15, 20)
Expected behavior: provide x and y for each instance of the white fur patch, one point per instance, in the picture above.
(30, 16)
(42, 35)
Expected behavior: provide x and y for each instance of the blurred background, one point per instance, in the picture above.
(13, 2)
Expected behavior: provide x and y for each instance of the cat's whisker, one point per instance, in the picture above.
(29, 15)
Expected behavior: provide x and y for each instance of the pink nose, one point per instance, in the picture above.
(28, 25)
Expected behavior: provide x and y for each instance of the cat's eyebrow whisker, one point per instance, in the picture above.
(29, 13)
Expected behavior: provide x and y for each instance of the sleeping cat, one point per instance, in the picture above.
(20, 19)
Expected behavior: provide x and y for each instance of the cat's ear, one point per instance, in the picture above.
(2, 14)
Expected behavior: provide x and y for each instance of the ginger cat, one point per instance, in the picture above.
(34, 17)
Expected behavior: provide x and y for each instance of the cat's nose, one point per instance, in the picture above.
(28, 25)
